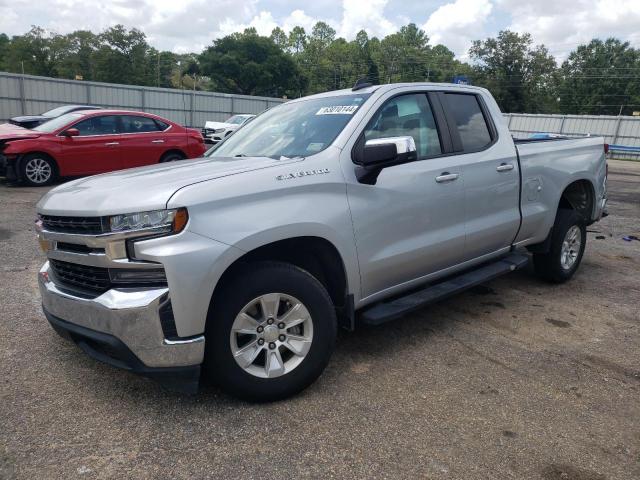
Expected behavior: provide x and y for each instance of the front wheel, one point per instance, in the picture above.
(568, 241)
(270, 332)
(37, 170)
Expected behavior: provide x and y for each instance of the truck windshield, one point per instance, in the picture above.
(296, 129)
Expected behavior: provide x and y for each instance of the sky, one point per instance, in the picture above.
(191, 25)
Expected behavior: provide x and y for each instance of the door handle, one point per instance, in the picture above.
(157, 141)
(504, 167)
(446, 177)
(112, 143)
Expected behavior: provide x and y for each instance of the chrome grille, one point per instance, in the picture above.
(78, 225)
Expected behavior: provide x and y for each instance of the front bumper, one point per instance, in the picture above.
(131, 317)
(108, 349)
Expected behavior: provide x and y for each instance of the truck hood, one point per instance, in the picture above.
(144, 188)
(14, 132)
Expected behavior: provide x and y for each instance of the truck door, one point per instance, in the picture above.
(491, 175)
(410, 223)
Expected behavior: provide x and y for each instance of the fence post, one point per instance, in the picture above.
(22, 100)
(233, 108)
(510, 118)
(564, 117)
(617, 130)
(88, 86)
(143, 100)
(193, 96)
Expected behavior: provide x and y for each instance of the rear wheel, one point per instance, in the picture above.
(270, 332)
(568, 242)
(171, 157)
(37, 169)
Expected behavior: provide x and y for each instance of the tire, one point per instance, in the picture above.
(38, 170)
(288, 373)
(171, 157)
(562, 260)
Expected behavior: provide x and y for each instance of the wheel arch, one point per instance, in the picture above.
(579, 195)
(48, 155)
(173, 150)
(316, 255)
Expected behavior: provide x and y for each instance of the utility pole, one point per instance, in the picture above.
(158, 69)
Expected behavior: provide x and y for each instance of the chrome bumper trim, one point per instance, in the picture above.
(131, 315)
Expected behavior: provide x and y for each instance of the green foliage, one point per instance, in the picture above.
(601, 77)
(249, 64)
(520, 76)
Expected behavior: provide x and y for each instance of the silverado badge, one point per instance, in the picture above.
(304, 173)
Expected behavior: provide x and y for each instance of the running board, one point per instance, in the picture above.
(392, 309)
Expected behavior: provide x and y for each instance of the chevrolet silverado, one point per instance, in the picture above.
(344, 208)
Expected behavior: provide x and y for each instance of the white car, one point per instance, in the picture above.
(214, 132)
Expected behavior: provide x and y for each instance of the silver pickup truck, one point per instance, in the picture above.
(345, 208)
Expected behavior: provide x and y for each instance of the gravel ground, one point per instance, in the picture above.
(516, 379)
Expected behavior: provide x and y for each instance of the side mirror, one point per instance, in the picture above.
(71, 132)
(380, 153)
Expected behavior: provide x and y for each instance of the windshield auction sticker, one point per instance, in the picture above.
(338, 110)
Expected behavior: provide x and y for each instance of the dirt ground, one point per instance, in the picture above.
(516, 379)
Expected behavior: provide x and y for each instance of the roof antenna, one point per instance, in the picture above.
(361, 83)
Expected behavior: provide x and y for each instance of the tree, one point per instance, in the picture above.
(297, 40)
(404, 56)
(279, 37)
(520, 76)
(37, 51)
(123, 57)
(601, 78)
(250, 64)
(5, 45)
(78, 55)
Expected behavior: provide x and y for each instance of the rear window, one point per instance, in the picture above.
(138, 124)
(472, 126)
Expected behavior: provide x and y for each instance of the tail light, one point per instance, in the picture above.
(606, 148)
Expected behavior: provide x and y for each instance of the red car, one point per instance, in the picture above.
(93, 141)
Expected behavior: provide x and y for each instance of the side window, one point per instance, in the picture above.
(161, 125)
(407, 115)
(102, 125)
(472, 126)
(138, 124)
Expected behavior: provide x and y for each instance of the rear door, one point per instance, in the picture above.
(491, 176)
(410, 223)
(95, 150)
(143, 140)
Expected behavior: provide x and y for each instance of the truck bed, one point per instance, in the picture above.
(547, 167)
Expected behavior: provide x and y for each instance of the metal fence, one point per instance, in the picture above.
(622, 131)
(27, 95)
(31, 95)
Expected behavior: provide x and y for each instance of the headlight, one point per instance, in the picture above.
(219, 130)
(158, 221)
